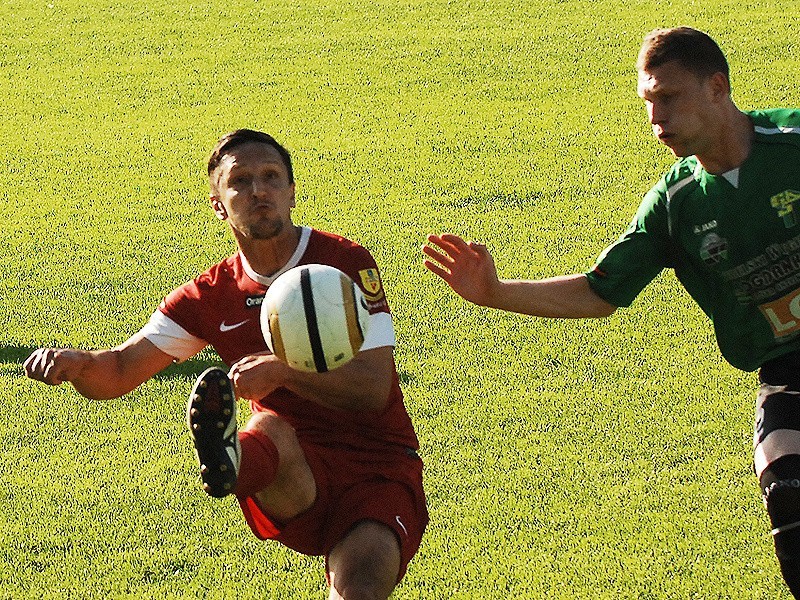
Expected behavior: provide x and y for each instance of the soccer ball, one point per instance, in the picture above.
(314, 318)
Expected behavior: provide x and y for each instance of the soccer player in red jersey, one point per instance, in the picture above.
(327, 463)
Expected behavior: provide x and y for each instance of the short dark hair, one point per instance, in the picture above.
(695, 50)
(243, 136)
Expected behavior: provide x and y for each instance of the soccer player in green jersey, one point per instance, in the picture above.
(726, 218)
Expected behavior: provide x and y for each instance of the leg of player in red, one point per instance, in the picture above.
(266, 463)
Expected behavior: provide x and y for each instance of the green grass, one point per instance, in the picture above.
(598, 459)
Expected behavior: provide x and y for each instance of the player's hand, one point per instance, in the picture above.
(257, 375)
(467, 267)
(54, 366)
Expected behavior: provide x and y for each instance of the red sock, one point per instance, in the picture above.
(259, 463)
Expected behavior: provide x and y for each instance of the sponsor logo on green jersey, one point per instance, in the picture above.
(784, 203)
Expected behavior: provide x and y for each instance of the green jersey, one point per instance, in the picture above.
(732, 239)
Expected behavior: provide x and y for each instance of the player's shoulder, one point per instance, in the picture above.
(776, 119)
(335, 245)
(776, 124)
(350, 257)
(681, 175)
(225, 270)
(213, 278)
(321, 237)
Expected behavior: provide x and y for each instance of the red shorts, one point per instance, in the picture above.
(352, 486)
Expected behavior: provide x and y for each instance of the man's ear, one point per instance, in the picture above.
(720, 85)
(219, 208)
(293, 188)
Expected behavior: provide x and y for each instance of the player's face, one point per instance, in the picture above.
(680, 107)
(253, 191)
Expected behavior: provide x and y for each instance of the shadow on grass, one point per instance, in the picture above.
(187, 369)
(14, 354)
(191, 368)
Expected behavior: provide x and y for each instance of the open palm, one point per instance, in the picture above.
(467, 267)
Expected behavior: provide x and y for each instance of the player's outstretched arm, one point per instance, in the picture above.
(469, 269)
(98, 374)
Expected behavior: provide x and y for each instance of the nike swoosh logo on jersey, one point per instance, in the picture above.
(224, 327)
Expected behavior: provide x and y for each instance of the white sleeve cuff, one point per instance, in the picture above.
(169, 337)
(380, 332)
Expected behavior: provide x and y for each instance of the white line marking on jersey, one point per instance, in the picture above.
(223, 327)
(399, 522)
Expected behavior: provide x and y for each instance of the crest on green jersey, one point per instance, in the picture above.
(784, 202)
(713, 249)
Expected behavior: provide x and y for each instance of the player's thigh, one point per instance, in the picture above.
(367, 558)
(777, 425)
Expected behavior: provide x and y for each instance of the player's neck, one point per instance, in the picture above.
(731, 147)
(266, 257)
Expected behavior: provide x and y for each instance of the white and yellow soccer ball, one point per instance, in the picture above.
(314, 318)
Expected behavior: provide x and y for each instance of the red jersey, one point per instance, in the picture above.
(221, 308)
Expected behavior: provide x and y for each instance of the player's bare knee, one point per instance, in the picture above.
(278, 430)
(365, 563)
(354, 591)
(356, 584)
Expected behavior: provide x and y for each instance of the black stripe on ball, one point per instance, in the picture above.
(311, 322)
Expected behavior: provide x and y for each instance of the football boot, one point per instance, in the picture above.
(211, 417)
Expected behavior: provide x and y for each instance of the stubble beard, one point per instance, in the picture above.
(265, 229)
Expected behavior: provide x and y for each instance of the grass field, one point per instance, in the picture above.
(583, 460)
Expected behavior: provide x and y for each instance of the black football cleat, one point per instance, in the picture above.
(211, 417)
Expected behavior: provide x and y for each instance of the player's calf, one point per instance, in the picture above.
(211, 417)
(780, 484)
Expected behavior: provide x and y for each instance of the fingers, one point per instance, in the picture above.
(31, 364)
(256, 375)
(448, 243)
(451, 246)
(239, 382)
(479, 248)
(439, 257)
(437, 270)
(447, 251)
(245, 364)
(439, 262)
(44, 365)
(236, 371)
(238, 366)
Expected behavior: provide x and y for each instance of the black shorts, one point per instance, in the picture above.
(784, 370)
